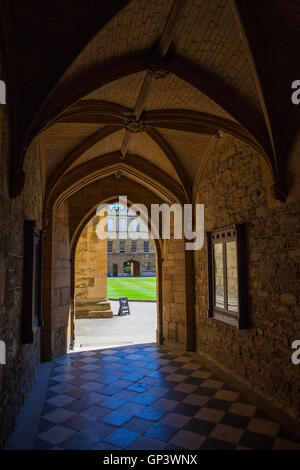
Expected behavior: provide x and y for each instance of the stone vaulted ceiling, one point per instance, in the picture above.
(149, 81)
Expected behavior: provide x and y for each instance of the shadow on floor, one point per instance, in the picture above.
(141, 397)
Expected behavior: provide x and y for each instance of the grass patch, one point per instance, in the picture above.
(135, 288)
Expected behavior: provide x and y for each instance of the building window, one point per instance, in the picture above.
(122, 210)
(146, 247)
(149, 267)
(109, 247)
(122, 225)
(111, 225)
(227, 271)
(122, 247)
(133, 225)
(133, 247)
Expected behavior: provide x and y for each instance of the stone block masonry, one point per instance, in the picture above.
(232, 191)
(91, 274)
(22, 361)
(91, 264)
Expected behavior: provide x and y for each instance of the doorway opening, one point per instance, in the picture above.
(108, 269)
(132, 267)
(115, 270)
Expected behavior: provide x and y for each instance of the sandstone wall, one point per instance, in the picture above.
(22, 361)
(57, 332)
(128, 244)
(61, 279)
(174, 292)
(91, 264)
(232, 191)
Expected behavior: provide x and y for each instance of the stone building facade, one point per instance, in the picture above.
(132, 252)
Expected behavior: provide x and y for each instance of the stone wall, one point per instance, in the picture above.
(174, 292)
(128, 244)
(61, 280)
(91, 264)
(233, 192)
(145, 260)
(22, 361)
(56, 333)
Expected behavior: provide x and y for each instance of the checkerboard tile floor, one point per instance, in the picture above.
(149, 397)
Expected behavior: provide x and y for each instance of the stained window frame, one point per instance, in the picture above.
(32, 317)
(237, 233)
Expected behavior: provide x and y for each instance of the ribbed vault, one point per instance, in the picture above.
(156, 78)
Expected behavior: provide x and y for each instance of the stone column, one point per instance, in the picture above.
(91, 274)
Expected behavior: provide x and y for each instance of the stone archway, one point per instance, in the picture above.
(69, 214)
(135, 266)
(132, 267)
(127, 267)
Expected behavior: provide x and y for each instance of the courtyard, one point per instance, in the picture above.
(135, 288)
(138, 327)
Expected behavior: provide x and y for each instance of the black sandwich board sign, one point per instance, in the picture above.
(124, 307)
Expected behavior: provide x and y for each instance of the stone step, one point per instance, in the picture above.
(94, 314)
(92, 305)
(93, 308)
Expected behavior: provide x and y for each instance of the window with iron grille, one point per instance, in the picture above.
(122, 247)
(146, 247)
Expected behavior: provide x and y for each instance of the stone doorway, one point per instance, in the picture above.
(132, 267)
(135, 268)
(174, 319)
(115, 270)
(97, 324)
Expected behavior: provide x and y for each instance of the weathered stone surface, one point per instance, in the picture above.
(92, 308)
(22, 361)
(173, 284)
(260, 355)
(91, 264)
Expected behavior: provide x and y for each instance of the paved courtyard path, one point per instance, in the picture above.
(137, 328)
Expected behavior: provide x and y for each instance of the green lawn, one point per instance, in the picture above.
(135, 288)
